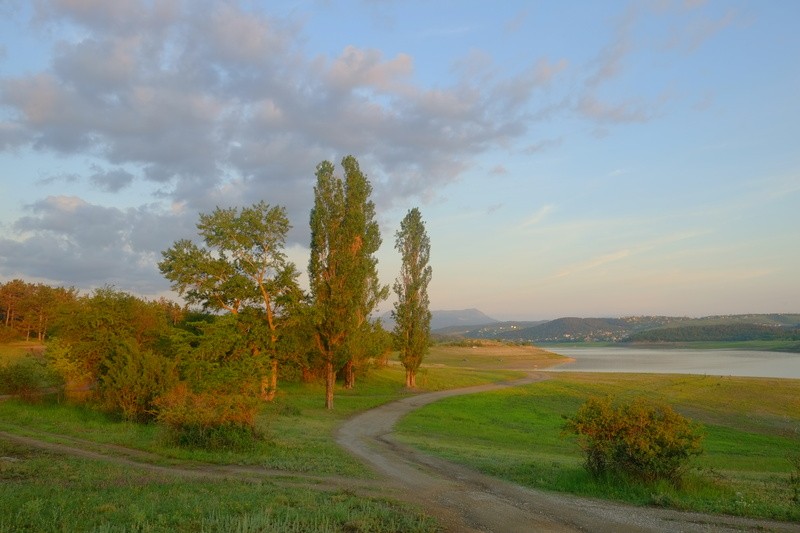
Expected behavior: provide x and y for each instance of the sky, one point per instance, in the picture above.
(574, 158)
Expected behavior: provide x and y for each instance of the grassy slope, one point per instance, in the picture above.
(751, 426)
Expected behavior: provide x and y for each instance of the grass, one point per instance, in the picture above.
(297, 427)
(41, 491)
(751, 427)
(12, 351)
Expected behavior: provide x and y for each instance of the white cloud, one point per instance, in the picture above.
(537, 217)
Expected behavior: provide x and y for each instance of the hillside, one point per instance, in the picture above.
(716, 332)
(637, 329)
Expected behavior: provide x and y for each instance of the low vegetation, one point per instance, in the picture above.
(639, 439)
(42, 491)
(27, 376)
(295, 438)
(751, 429)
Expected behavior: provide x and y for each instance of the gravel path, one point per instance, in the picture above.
(467, 501)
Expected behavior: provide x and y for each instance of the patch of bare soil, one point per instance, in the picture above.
(467, 501)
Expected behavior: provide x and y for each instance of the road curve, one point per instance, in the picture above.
(466, 501)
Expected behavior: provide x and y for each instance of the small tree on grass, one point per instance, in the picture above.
(644, 440)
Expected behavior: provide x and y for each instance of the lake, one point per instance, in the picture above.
(676, 361)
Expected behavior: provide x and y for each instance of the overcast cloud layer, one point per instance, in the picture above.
(128, 118)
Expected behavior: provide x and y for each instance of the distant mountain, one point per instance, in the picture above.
(462, 320)
(494, 330)
(571, 329)
(462, 317)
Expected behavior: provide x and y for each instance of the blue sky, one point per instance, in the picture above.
(569, 158)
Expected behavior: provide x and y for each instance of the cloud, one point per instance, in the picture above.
(593, 263)
(365, 68)
(219, 104)
(609, 62)
(626, 112)
(629, 251)
(541, 146)
(691, 36)
(111, 180)
(65, 239)
(537, 217)
(516, 22)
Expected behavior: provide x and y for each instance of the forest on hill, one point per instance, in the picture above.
(641, 329)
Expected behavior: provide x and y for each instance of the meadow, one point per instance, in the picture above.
(751, 425)
(46, 491)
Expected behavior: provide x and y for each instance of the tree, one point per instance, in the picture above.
(112, 343)
(342, 269)
(241, 265)
(411, 311)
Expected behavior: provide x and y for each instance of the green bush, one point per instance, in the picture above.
(640, 439)
(27, 377)
(211, 420)
(133, 379)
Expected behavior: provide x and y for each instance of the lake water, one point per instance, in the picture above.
(670, 361)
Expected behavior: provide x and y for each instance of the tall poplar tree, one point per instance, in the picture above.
(411, 311)
(342, 269)
(241, 265)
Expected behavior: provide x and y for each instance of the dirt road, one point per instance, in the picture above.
(467, 501)
(463, 500)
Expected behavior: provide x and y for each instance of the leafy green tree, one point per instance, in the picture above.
(342, 268)
(241, 264)
(411, 311)
(30, 309)
(11, 294)
(112, 343)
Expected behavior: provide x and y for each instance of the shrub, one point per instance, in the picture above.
(212, 420)
(133, 379)
(27, 377)
(644, 440)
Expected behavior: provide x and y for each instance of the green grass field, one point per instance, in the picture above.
(751, 427)
(42, 490)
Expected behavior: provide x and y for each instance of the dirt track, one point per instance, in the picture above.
(466, 501)
(463, 500)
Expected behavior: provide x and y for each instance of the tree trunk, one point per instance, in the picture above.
(330, 381)
(273, 381)
(411, 378)
(265, 388)
(349, 375)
